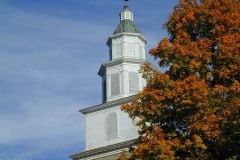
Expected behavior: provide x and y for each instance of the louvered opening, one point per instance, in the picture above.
(118, 50)
(130, 50)
(115, 84)
(140, 52)
(112, 125)
(133, 82)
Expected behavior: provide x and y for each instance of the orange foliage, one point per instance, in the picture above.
(192, 111)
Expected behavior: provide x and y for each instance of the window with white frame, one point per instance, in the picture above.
(133, 82)
(127, 15)
(112, 125)
(130, 49)
(118, 50)
(115, 84)
(141, 52)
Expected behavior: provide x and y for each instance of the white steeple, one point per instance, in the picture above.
(120, 76)
(109, 130)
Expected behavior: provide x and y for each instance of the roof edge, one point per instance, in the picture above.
(105, 149)
(126, 34)
(106, 105)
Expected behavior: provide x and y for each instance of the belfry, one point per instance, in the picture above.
(109, 131)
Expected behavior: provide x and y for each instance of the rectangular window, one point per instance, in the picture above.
(115, 84)
(112, 125)
(118, 50)
(127, 16)
(133, 82)
(140, 52)
(130, 50)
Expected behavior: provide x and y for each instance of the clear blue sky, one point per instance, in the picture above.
(50, 53)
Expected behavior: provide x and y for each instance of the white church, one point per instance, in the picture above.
(109, 131)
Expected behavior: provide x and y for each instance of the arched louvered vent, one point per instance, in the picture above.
(133, 82)
(115, 84)
(112, 125)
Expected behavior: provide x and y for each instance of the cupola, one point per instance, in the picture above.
(126, 22)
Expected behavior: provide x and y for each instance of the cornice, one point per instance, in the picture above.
(106, 105)
(120, 61)
(105, 149)
(109, 41)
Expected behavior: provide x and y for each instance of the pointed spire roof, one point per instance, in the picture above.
(126, 22)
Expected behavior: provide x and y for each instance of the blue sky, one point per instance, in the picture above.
(50, 53)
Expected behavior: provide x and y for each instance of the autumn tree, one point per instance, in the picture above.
(192, 111)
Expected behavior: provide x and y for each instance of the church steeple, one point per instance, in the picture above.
(110, 131)
(120, 76)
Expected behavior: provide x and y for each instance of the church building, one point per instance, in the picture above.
(109, 131)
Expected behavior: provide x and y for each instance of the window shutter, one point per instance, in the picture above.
(115, 84)
(133, 82)
(112, 125)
